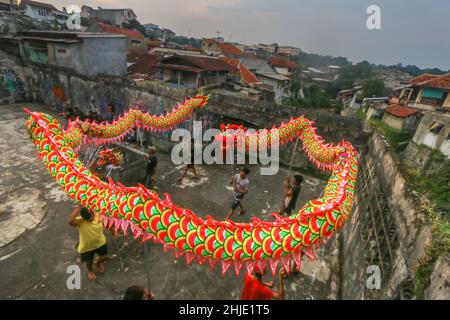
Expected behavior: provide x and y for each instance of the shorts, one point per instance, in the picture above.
(288, 211)
(236, 201)
(89, 256)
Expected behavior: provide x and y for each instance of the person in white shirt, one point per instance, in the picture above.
(240, 185)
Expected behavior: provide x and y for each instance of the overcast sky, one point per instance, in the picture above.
(413, 31)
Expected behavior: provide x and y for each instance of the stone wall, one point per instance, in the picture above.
(387, 229)
(63, 89)
(12, 81)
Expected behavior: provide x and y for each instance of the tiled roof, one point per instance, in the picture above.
(423, 78)
(228, 48)
(246, 75)
(282, 62)
(143, 63)
(433, 81)
(202, 62)
(127, 32)
(400, 111)
(439, 82)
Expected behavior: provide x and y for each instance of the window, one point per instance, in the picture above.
(436, 128)
(432, 96)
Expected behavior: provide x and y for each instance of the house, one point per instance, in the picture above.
(283, 66)
(140, 66)
(87, 53)
(136, 42)
(333, 69)
(166, 52)
(153, 31)
(189, 71)
(349, 98)
(151, 27)
(256, 64)
(288, 50)
(434, 132)
(269, 48)
(241, 72)
(279, 83)
(401, 118)
(42, 11)
(116, 17)
(274, 81)
(9, 5)
(426, 92)
(223, 49)
(393, 78)
(375, 107)
(168, 34)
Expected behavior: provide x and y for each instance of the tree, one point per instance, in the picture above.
(373, 88)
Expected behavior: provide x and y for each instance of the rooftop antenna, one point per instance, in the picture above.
(218, 34)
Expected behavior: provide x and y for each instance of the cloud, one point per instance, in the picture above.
(414, 31)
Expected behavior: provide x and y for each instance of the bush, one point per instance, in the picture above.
(396, 138)
(440, 244)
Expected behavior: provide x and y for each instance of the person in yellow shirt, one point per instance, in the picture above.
(92, 240)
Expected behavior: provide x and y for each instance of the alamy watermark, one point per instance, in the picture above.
(229, 148)
(374, 20)
(74, 20)
(73, 282)
(373, 282)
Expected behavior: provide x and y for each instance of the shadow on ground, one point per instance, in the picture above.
(34, 263)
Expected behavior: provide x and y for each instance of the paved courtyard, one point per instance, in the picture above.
(37, 245)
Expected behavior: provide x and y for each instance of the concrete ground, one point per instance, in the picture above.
(37, 245)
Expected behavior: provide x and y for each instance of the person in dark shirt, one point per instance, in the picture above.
(110, 114)
(293, 194)
(190, 166)
(152, 162)
(138, 293)
(72, 114)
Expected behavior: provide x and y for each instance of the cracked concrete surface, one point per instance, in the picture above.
(37, 245)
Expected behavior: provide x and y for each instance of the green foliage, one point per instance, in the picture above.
(373, 88)
(337, 106)
(396, 138)
(440, 244)
(314, 97)
(433, 181)
(349, 74)
(317, 60)
(360, 114)
(412, 69)
(182, 41)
